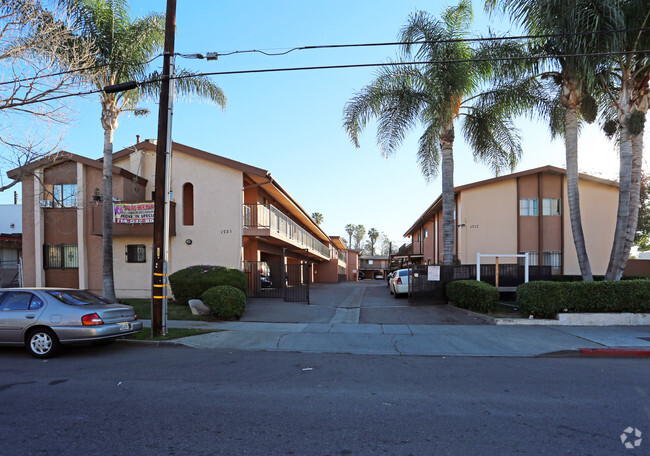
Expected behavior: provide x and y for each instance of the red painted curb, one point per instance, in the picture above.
(645, 353)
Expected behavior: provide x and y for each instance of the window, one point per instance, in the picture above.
(20, 300)
(188, 204)
(552, 259)
(60, 256)
(136, 253)
(426, 233)
(59, 195)
(528, 206)
(551, 206)
(533, 258)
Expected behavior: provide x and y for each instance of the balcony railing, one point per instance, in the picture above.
(261, 216)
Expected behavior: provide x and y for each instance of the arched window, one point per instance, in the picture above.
(188, 204)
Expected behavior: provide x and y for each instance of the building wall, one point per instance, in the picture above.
(488, 221)
(598, 206)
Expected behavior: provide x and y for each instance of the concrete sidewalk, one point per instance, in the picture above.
(424, 340)
(364, 318)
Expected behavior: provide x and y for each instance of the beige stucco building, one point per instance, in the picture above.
(223, 212)
(522, 212)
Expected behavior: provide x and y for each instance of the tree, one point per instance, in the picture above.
(373, 234)
(627, 92)
(569, 77)
(350, 228)
(436, 95)
(40, 56)
(123, 49)
(359, 234)
(318, 217)
(385, 244)
(642, 236)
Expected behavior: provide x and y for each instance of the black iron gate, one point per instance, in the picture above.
(269, 279)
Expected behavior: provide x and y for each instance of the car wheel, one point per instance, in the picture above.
(43, 343)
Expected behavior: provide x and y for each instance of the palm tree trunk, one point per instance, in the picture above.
(635, 197)
(614, 269)
(448, 222)
(573, 193)
(108, 282)
(109, 122)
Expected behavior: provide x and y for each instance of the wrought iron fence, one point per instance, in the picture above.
(423, 290)
(11, 274)
(276, 280)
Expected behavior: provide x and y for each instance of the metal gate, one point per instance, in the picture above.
(268, 279)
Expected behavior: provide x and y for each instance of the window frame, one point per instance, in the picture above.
(59, 196)
(551, 203)
(57, 256)
(135, 253)
(528, 205)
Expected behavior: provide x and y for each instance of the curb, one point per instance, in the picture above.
(616, 352)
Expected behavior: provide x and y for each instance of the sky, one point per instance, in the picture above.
(290, 123)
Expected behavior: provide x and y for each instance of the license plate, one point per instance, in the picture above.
(125, 326)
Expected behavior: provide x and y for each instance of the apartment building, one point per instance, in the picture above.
(521, 212)
(223, 212)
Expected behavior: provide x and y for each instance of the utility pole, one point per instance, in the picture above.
(163, 150)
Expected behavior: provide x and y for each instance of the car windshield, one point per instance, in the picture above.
(78, 297)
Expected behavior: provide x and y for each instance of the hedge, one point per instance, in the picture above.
(473, 295)
(546, 299)
(226, 302)
(192, 282)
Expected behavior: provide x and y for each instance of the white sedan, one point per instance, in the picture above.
(399, 282)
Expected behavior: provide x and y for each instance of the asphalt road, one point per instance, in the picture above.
(137, 400)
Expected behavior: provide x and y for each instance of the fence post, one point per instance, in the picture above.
(526, 265)
(478, 266)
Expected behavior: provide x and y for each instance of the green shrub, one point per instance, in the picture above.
(546, 299)
(192, 282)
(473, 295)
(225, 301)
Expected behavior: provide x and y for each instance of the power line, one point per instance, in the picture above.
(331, 67)
(215, 55)
(78, 70)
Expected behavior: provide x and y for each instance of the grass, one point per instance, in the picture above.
(174, 311)
(172, 333)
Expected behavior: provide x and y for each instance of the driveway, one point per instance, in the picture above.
(364, 302)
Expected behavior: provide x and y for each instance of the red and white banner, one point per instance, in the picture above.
(133, 212)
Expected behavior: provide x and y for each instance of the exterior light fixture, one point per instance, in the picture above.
(188, 241)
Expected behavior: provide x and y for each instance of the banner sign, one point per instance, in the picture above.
(133, 212)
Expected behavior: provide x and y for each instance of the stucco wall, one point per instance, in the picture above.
(490, 221)
(598, 205)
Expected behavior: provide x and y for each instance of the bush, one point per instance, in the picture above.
(473, 295)
(546, 299)
(192, 282)
(226, 302)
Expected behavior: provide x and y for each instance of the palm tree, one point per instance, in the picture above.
(436, 95)
(373, 234)
(627, 92)
(569, 77)
(123, 48)
(359, 233)
(349, 228)
(318, 217)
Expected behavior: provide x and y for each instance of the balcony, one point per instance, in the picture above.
(131, 229)
(260, 220)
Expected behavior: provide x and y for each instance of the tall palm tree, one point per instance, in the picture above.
(123, 49)
(627, 92)
(437, 95)
(569, 77)
(373, 234)
(359, 233)
(349, 228)
(318, 217)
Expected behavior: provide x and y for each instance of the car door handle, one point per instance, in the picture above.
(30, 316)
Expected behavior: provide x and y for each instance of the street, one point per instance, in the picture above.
(128, 399)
